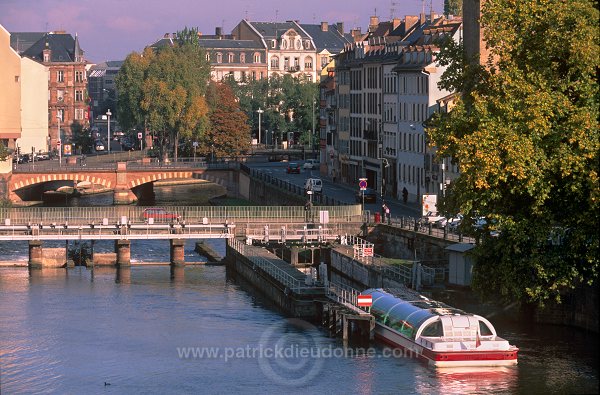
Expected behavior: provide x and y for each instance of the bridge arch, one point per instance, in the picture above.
(28, 180)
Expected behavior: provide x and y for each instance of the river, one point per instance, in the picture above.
(146, 331)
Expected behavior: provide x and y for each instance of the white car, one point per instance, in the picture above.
(310, 164)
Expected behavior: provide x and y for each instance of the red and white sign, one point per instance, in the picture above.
(364, 301)
(368, 251)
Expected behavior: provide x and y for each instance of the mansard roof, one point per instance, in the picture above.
(274, 30)
(216, 43)
(64, 48)
(331, 39)
(22, 41)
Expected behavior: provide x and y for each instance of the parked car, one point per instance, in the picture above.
(159, 213)
(99, 145)
(293, 167)
(370, 196)
(310, 164)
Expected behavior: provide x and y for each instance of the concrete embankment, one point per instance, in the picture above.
(214, 258)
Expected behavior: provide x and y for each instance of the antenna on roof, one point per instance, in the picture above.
(423, 6)
(246, 12)
(393, 5)
(276, 15)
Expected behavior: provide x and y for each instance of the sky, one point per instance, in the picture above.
(111, 29)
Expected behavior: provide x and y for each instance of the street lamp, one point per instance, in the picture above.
(259, 111)
(58, 141)
(108, 113)
(312, 136)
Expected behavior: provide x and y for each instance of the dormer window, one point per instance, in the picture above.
(219, 57)
(273, 43)
(230, 57)
(307, 44)
(46, 57)
(242, 58)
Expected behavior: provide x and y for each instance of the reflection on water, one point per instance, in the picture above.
(197, 194)
(69, 331)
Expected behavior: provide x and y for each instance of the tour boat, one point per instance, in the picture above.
(443, 335)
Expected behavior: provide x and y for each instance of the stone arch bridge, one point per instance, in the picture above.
(129, 182)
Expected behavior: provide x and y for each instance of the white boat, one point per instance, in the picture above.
(443, 335)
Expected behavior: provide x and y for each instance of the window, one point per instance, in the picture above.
(60, 95)
(308, 63)
(242, 58)
(60, 76)
(219, 57)
(256, 58)
(275, 62)
(79, 96)
(230, 57)
(207, 57)
(273, 43)
(79, 76)
(46, 57)
(60, 114)
(79, 114)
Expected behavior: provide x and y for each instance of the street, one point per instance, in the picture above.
(339, 191)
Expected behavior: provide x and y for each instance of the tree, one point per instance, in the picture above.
(165, 89)
(287, 102)
(453, 7)
(228, 133)
(525, 136)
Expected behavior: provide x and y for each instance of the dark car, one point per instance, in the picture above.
(370, 196)
(159, 214)
(293, 167)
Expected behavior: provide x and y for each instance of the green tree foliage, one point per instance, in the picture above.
(4, 152)
(525, 136)
(228, 133)
(453, 7)
(287, 102)
(165, 91)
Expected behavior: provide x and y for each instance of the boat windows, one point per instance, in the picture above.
(484, 330)
(434, 329)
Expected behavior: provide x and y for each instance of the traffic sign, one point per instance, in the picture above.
(362, 183)
(364, 300)
(140, 135)
(368, 251)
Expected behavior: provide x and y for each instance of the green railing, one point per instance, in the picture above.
(189, 214)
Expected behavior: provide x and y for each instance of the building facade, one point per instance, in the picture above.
(10, 86)
(67, 85)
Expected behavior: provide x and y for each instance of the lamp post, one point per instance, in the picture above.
(259, 111)
(58, 142)
(312, 136)
(108, 114)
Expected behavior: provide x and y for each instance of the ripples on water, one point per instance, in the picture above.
(72, 331)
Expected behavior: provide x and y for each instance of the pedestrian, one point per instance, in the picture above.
(387, 215)
(405, 195)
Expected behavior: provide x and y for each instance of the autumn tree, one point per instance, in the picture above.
(525, 136)
(166, 91)
(228, 132)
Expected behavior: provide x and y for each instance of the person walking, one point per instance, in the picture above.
(387, 214)
(405, 195)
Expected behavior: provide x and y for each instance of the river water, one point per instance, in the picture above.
(146, 330)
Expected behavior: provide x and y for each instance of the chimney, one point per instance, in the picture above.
(373, 23)
(174, 35)
(167, 35)
(355, 33)
(324, 26)
(218, 31)
(340, 27)
(409, 22)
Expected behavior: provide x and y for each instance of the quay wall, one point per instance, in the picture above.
(293, 304)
